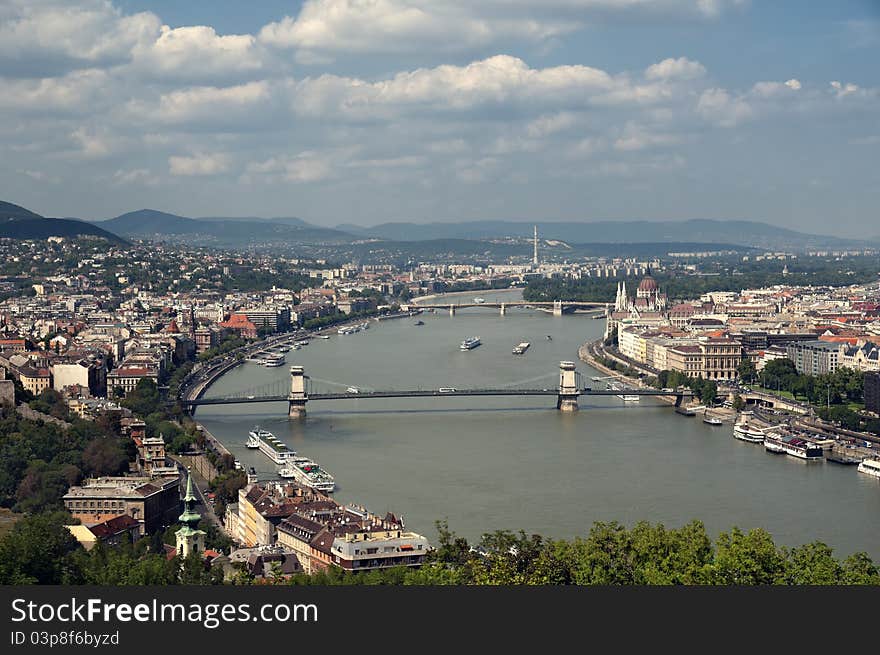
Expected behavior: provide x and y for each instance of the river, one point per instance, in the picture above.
(518, 463)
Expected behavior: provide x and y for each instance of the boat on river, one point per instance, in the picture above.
(308, 474)
(270, 445)
(470, 343)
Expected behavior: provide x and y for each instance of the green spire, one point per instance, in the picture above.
(190, 517)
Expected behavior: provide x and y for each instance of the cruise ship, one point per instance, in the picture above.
(521, 348)
(273, 360)
(870, 467)
(270, 446)
(470, 343)
(745, 432)
(794, 446)
(308, 474)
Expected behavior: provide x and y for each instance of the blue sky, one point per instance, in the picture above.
(365, 111)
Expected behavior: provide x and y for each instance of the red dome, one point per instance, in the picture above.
(648, 284)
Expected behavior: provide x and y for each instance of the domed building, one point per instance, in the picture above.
(648, 308)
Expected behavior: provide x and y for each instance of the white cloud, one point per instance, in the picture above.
(92, 144)
(56, 35)
(199, 164)
(418, 26)
(497, 81)
(636, 137)
(843, 90)
(205, 104)
(199, 52)
(717, 105)
(681, 68)
(135, 176)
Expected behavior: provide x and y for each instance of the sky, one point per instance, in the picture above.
(369, 111)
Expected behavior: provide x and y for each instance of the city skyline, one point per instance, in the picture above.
(338, 111)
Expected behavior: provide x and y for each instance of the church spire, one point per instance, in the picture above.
(189, 537)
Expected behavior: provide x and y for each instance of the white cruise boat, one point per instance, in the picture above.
(794, 446)
(308, 474)
(271, 446)
(273, 360)
(870, 467)
(745, 432)
(470, 343)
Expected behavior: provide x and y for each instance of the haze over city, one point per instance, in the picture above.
(361, 112)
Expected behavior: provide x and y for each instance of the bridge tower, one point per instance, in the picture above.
(569, 387)
(298, 395)
(557, 308)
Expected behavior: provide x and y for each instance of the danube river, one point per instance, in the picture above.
(516, 462)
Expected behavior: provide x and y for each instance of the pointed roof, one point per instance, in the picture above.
(190, 517)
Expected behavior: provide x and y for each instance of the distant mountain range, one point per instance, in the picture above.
(227, 231)
(16, 222)
(746, 233)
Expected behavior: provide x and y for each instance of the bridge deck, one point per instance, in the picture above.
(433, 393)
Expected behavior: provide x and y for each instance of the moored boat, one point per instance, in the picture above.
(309, 474)
(870, 467)
(711, 420)
(271, 446)
(743, 431)
(794, 446)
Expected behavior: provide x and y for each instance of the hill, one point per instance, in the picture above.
(16, 222)
(228, 231)
(745, 233)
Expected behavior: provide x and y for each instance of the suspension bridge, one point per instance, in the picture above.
(302, 389)
(556, 307)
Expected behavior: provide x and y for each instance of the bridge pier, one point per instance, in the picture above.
(678, 398)
(503, 310)
(557, 308)
(452, 310)
(569, 388)
(298, 396)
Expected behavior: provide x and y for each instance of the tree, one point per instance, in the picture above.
(144, 398)
(738, 403)
(104, 456)
(746, 370)
(746, 559)
(38, 551)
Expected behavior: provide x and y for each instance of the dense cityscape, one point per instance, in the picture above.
(420, 293)
(103, 347)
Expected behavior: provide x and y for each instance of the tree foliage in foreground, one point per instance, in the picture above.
(40, 550)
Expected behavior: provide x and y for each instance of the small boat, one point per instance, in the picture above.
(521, 348)
(711, 420)
(549, 338)
(479, 301)
(419, 323)
(353, 390)
(323, 336)
(470, 343)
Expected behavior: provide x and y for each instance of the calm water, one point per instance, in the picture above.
(517, 463)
